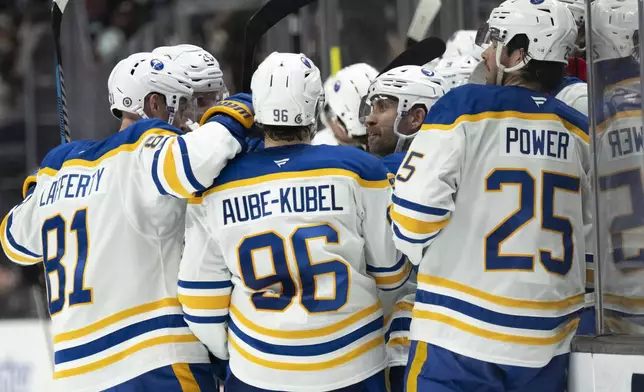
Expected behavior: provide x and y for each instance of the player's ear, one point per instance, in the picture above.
(417, 114)
(154, 105)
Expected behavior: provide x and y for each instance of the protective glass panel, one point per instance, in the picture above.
(617, 166)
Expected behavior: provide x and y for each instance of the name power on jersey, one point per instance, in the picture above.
(536, 143)
(282, 201)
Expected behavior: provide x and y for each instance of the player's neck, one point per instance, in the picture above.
(268, 142)
(517, 80)
(126, 122)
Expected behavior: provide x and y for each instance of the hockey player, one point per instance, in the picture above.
(457, 70)
(206, 78)
(574, 90)
(461, 43)
(343, 92)
(492, 211)
(577, 62)
(399, 101)
(295, 238)
(107, 219)
(396, 105)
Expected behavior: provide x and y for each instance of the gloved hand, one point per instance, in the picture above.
(235, 113)
(29, 185)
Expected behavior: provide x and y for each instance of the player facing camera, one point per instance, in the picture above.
(287, 97)
(143, 86)
(396, 105)
(528, 44)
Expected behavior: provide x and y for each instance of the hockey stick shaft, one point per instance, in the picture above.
(426, 12)
(57, 10)
(262, 21)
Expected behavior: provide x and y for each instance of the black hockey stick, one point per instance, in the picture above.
(420, 53)
(57, 10)
(265, 18)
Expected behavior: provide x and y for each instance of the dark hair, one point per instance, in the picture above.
(548, 74)
(286, 133)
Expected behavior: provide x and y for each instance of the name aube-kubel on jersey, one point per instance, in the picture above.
(283, 201)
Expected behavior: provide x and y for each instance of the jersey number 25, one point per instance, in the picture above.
(550, 182)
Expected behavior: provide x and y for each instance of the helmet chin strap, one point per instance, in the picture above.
(501, 68)
(402, 139)
(141, 113)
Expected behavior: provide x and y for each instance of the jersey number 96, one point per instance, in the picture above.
(308, 271)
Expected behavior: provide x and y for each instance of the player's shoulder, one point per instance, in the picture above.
(301, 161)
(474, 100)
(475, 103)
(91, 151)
(393, 161)
(574, 120)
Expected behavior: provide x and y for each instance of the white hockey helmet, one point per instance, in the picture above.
(343, 91)
(461, 43)
(411, 85)
(615, 29)
(287, 90)
(202, 67)
(133, 78)
(577, 8)
(457, 70)
(548, 24)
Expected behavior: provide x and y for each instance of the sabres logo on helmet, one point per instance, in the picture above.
(306, 62)
(427, 72)
(535, 2)
(156, 64)
(336, 86)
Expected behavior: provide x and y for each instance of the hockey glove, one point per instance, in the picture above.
(29, 185)
(235, 113)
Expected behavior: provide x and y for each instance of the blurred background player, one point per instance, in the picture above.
(574, 90)
(456, 70)
(577, 62)
(400, 97)
(499, 286)
(206, 78)
(461, 43)
(343, 92)
(129, 189)
(396, 105)
(298, 242)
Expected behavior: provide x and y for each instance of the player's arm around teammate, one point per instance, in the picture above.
(129, 189)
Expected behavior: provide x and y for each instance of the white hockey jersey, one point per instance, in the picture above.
(298, 242)
(490, 202)
(574, 93)
(324, 136)
(398, 304)
(108, 217)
